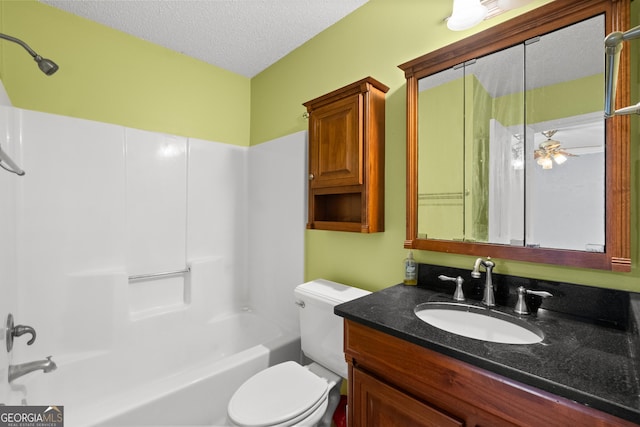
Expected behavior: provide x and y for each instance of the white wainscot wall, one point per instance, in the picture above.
(101, 202)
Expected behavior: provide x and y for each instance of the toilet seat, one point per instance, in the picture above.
(281, 395)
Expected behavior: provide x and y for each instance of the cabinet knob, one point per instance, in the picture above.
(311, 177)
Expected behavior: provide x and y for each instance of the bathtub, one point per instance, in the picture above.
(162, 375)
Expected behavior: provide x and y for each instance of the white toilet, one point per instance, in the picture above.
(289, 394)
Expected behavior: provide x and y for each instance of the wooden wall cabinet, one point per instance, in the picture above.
(346, 158)
(396, 383)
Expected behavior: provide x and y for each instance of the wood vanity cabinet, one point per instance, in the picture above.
(346, 158)
(393, 382)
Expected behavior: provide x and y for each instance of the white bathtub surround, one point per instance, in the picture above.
(156, 218)
(100, 203)
(278, 206)
(4, 96)
(217, 214)
(8, 242)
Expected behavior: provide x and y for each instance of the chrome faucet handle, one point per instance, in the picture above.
(13, 331)
(521, 305)
(20, 330)
(458, 295)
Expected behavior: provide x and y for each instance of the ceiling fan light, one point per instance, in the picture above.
(466, 14)
(559, 158)
(546, 163)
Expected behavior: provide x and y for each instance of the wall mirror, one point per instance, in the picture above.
(508, 151)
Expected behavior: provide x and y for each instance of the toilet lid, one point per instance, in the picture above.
(276, 395)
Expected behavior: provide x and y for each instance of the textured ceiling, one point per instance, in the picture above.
(243, 36)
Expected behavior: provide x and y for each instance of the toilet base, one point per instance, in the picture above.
(332, 403)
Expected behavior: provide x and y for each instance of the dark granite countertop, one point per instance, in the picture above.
(579, 359)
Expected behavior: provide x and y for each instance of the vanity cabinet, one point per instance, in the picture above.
(346, 158)
(380, 404)
(393, 382)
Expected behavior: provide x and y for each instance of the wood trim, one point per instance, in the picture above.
(619, 130)
(412, 160)
(355, 88)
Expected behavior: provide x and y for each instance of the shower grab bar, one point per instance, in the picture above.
(13, 168)
(156, 275)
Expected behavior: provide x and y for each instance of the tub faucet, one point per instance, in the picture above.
(16, 371)
(488, 298)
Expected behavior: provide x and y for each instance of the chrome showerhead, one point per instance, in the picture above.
(47, 66)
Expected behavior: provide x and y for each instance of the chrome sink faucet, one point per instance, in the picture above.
(16, 371)
(488, 298)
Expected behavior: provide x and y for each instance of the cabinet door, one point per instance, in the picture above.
(335, 144)
(378, 404)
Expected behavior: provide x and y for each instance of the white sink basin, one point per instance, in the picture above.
(478, 323)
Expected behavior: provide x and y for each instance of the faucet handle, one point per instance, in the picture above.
(20, 330)
(13, 331)
(521, 305)
(543, 294)
(458, 295)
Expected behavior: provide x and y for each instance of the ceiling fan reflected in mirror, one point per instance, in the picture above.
(550, 151)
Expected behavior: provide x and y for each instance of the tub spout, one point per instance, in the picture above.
(16, 371)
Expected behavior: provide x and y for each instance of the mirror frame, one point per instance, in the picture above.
(547, 18)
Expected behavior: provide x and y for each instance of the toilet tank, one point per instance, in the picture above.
(321, 331)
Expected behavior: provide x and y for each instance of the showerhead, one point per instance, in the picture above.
(47, 66)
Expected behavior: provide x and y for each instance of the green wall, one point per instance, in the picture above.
(374, 40)
(108, 76)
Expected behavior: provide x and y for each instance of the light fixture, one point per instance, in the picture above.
(466, 14)
(512, 4)
(549, 151)
(559, 158)
(47, 66)
(545, 162)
